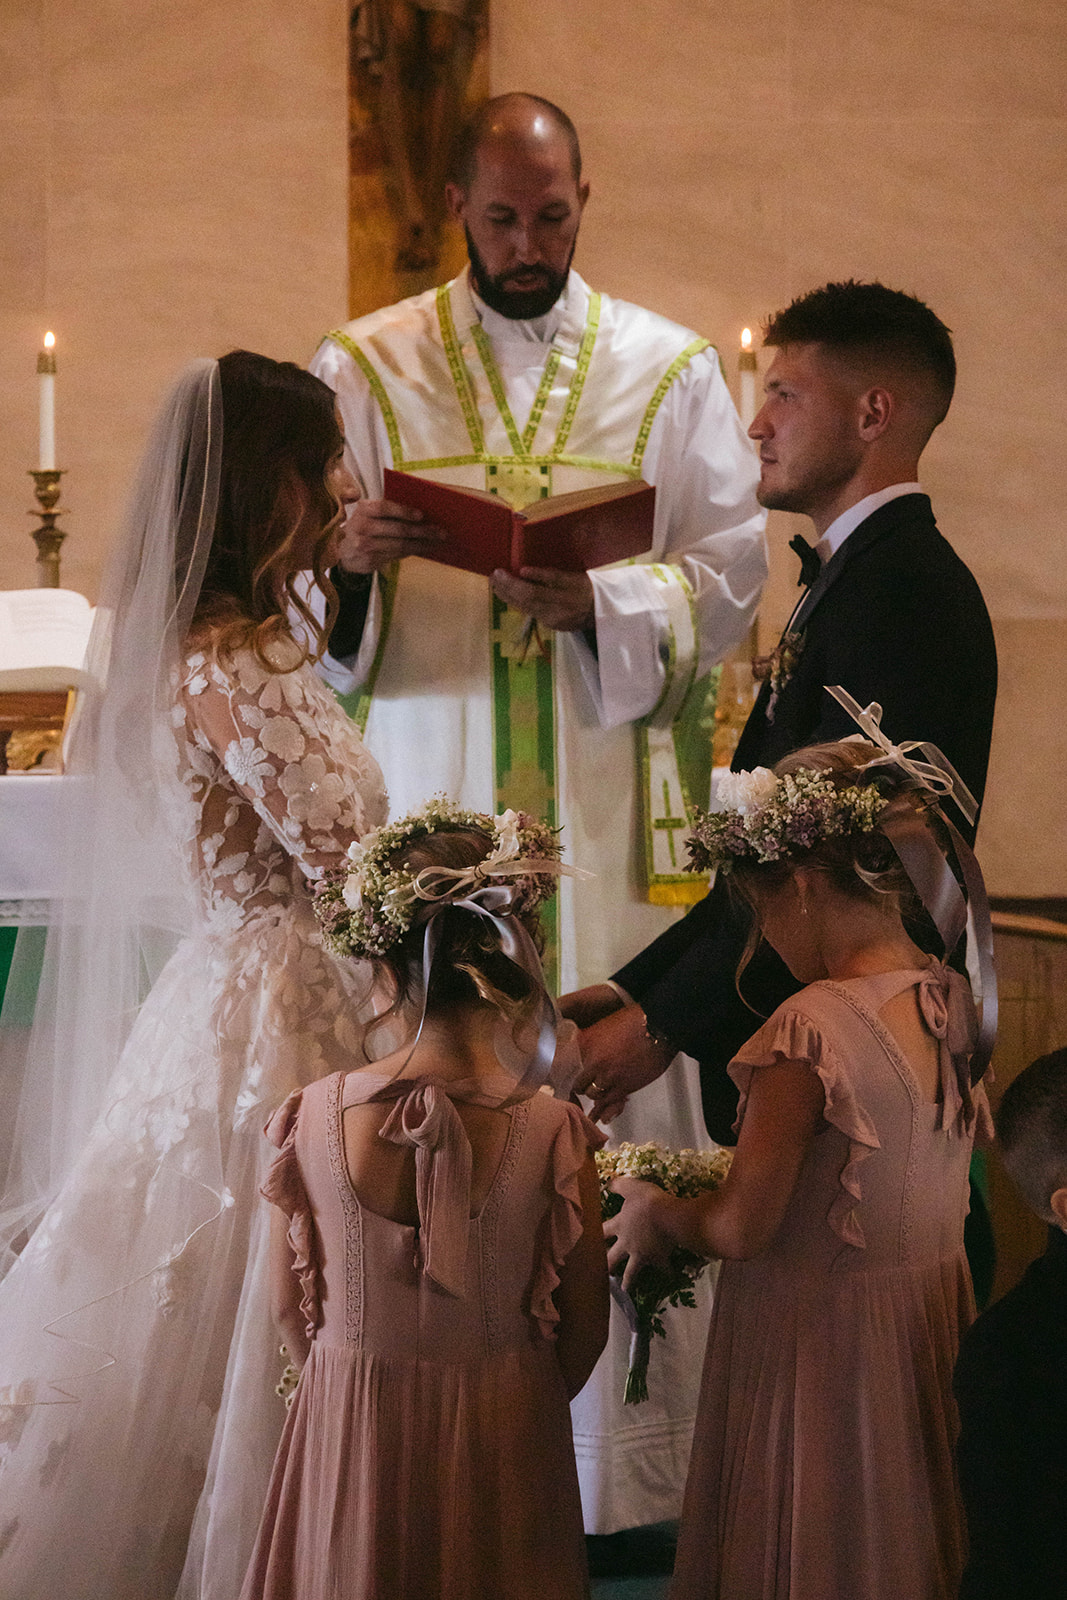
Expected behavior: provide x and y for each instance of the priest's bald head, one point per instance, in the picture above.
(517, 189)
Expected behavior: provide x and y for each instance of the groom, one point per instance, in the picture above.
(861, 377)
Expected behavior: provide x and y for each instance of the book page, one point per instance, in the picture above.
(43, 638)
(578, 499)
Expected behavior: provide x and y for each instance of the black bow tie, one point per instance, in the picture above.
(810, 564)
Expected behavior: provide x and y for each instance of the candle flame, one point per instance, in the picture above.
(746, 338)
(49, 340)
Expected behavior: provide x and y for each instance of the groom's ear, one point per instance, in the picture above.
(875, 409)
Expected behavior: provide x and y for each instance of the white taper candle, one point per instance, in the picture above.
(46, 379)
(746, 366)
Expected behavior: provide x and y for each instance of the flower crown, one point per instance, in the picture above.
(766, 818)
(367, 909)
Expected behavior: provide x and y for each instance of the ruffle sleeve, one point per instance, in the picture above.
(573, 1141)
(284, 1188)
(790, 1035)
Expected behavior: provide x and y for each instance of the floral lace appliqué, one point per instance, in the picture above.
(276, 774)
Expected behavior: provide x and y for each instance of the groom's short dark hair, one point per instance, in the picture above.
(870, 321)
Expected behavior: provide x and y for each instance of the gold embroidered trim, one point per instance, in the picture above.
(680, 361)
(460, 376)
(377, 389)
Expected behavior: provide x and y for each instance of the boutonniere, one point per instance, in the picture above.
(778, 667)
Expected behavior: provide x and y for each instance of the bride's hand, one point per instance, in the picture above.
(635, 1236)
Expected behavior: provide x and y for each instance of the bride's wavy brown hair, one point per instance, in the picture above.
(279, 436)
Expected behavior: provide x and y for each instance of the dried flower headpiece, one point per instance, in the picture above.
(367, 908)
(767, 818)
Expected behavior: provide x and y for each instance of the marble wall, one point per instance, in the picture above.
(739, 155)
(174, 182)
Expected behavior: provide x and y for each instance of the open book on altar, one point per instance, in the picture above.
(567, 532)
(44, 634)
(43, 638)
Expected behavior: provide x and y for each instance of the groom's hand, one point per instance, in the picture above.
(588, 1005)
(618, 1058)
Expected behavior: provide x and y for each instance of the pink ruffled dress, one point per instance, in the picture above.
(428, 1450)
(822, 1464)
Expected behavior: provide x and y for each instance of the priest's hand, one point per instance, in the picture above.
(378, 532)
(559, 600)
(618, 1058)
(635, 1235)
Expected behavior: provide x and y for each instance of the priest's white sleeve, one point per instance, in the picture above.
(347, 675)
(366, 453)
(660, 625)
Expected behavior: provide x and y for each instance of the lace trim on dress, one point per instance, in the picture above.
(350, 1209)
(792, 1036)
(570, 1150)
(487, 1224)
(284, 1187)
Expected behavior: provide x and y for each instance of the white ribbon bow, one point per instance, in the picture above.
(440, 883)
(936, 773)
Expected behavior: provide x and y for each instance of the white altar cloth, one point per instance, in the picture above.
(33, 812)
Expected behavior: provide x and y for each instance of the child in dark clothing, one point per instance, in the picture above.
(1011, 1376)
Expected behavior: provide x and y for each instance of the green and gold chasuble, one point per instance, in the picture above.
(442, 401)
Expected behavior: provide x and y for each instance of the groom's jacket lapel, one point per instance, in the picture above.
(764, 738)
(877, 526)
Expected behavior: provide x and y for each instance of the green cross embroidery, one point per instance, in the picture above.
(670, 825)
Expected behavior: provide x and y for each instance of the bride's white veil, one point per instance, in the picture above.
(126, 890)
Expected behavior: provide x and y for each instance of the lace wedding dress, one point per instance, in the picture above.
(136, 1347)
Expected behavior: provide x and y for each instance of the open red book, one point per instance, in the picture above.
(568, 532)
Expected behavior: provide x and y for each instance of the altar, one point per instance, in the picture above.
(34, 815)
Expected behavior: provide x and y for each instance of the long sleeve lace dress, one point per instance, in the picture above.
(136, 1349)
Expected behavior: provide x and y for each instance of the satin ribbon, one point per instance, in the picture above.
(527, 1055)
(936, 773)
(433, 883)
(925, 864)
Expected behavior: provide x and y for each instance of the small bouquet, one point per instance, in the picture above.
(685, 1173)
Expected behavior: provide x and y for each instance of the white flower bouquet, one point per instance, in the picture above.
(686, 1173)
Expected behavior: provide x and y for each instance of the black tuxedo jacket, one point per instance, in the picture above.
(895, 617)
(1011, 1386)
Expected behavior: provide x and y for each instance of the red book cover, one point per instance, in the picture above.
(567, 532)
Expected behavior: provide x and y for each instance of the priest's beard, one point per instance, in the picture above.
(521, 305)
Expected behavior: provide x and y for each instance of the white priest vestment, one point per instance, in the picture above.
(596, 391)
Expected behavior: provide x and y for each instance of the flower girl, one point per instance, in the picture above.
(437, 1257)
(822, 1458)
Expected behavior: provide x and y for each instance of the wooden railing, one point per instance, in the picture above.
(1028, 927)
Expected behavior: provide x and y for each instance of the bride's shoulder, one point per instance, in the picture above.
(210, 662)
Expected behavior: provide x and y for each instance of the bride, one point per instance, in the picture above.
(184, 995)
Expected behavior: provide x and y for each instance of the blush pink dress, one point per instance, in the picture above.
(428, 1450)
(822, 1465)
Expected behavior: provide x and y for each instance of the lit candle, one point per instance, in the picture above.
(46, 378)
(746, 366)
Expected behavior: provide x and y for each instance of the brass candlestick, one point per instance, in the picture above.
(48, 537)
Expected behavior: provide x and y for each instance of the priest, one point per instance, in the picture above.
(519, 378)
